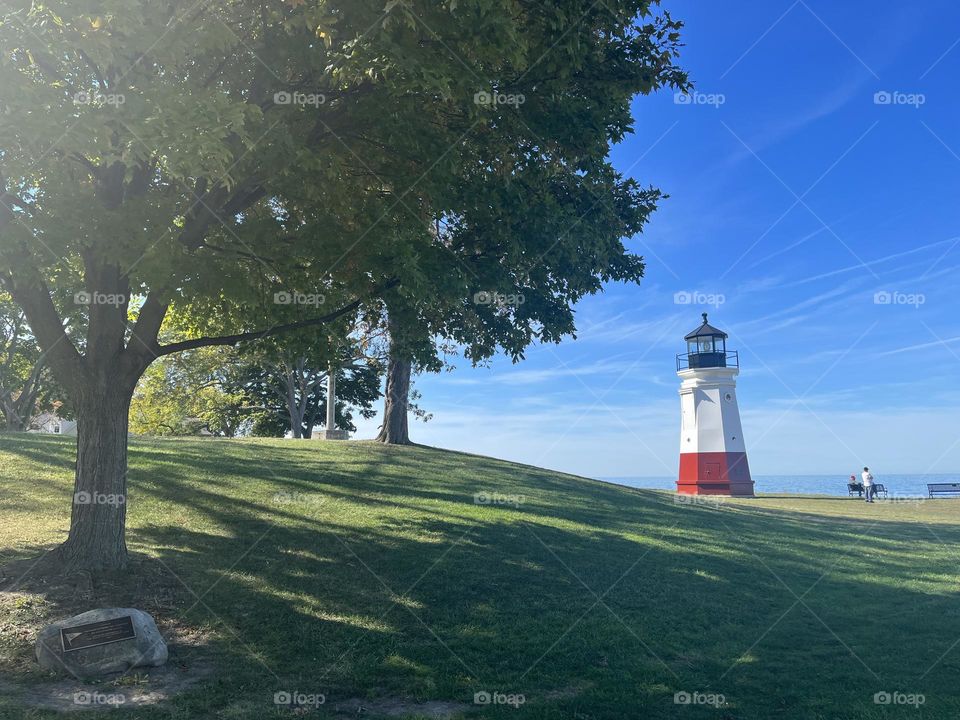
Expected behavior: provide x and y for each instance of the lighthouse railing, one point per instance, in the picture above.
(694, 360)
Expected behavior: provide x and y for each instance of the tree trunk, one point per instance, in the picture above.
(16, 420)
(19, 412)
(395, 430)
(293, 407)
(27, 402)
(98, 519)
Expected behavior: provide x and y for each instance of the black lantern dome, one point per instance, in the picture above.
(706, 348)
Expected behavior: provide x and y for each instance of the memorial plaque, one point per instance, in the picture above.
(98, 633)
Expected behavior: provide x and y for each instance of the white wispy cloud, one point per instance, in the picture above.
(871, 263)
(922, 346)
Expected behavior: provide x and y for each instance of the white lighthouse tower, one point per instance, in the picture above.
(713, 456)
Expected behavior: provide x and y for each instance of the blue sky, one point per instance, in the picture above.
(797, 194)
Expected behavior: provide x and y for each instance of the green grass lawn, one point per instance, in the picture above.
(371, 576)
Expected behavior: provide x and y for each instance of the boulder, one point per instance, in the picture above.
(101, 649)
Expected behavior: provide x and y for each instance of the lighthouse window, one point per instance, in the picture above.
(728, 397)
(706, 345)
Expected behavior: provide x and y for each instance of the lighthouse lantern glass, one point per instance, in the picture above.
(707, 344)
(706, 348)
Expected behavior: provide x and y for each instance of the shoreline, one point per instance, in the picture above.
(899, 486)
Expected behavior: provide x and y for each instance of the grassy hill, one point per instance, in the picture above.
(378, 578)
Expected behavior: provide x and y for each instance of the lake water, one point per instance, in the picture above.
(899, 485)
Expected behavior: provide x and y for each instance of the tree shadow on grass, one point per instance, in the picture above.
(527, 608)
(585, 598)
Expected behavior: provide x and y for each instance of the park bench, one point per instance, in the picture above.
(943, 489)
(879, 490)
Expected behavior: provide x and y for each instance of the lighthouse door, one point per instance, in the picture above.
(712, 472)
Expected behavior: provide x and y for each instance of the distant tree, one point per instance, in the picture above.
(287, 377)
(291, 395)
(190, 394)
(265, 389)
(23, 369)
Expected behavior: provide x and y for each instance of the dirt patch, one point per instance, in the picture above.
(132, 690)
(37, 592)
(145, 584)
(435, 709)
(399, 708)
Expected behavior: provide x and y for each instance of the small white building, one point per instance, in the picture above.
(50, 424)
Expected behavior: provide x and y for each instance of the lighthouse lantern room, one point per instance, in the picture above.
(713, 456)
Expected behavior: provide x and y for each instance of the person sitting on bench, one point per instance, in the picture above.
(854, 487)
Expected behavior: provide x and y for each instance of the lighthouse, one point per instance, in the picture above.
(713, 456)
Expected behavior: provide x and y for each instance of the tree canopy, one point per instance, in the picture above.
(268, 166)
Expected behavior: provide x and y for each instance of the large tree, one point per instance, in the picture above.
(268, 166)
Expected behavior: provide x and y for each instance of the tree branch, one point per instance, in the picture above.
(231, 340)
(7, 202)
(92, 167)
(147, 328)
(34, 297)
(96, 70)
(216, 203)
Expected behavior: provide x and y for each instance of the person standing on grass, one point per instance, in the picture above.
(867, 484)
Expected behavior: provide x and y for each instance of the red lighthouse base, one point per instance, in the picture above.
(715, 473)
